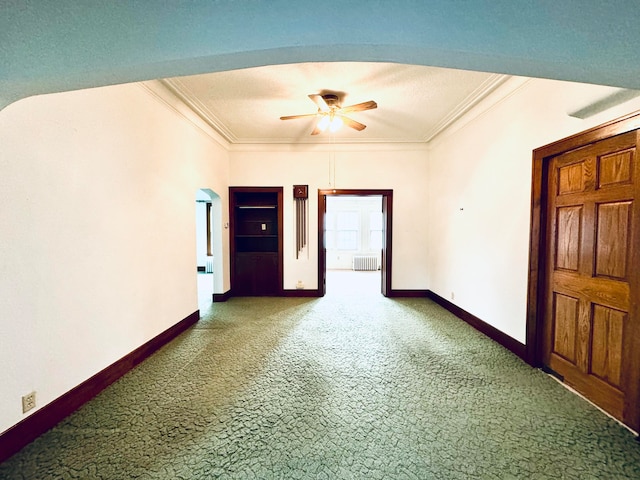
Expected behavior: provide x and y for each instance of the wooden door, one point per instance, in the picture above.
(591, 329)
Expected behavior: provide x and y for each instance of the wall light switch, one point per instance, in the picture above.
(264, 226)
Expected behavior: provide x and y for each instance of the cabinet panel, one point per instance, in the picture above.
(256, 274)
(254, 244)
(256, 240)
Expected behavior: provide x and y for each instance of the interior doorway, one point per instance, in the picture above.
(208, 246)
(353, 244)
(354, 238)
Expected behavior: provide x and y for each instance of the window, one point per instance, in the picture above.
(347, 229)
(330, 231)
(375, 230)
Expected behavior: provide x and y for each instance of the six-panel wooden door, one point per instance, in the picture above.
(592, 280)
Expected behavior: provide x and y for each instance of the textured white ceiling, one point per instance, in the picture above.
(414, 102)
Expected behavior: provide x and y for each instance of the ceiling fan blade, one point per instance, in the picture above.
(352, 123)
(319, 101)
(358, 107)
(293, 117)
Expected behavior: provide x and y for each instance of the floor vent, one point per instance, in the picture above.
(365, 262)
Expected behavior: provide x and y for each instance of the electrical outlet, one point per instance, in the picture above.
(28, 402)
(453, 297)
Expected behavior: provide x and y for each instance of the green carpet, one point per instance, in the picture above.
(332, 388)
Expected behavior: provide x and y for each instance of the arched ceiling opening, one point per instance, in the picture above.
(59, 46)
(54, 46)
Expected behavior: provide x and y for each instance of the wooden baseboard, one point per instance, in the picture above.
(490, 331)
(23, 433)
(407, 293)
(301, 293)
(222, 297)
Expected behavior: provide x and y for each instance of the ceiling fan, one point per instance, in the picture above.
(331, 115)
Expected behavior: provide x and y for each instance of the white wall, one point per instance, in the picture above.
(401, 168)
(479, 187)
(97, 191)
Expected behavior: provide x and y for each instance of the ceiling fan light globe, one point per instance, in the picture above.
(336, 124)
(323, 123)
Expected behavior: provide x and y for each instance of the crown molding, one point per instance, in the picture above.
(159, 90)
(485, 89)
(325, 147)
(328, 142)
(502, 93)
(181, 91)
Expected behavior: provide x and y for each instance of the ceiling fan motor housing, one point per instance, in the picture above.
(331, 100)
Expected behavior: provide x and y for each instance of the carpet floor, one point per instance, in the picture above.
(342, 387)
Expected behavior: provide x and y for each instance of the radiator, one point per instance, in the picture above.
(365, 262)
(209, 265)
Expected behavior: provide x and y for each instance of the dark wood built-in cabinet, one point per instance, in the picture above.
(256, 240)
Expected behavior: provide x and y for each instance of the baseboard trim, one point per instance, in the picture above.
(23, 433)
(408, 293)
(222, 297)
(490, 331)
(301, 293)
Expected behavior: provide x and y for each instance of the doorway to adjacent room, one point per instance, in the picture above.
(208, 246)
(354, 238)
(353, 244)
